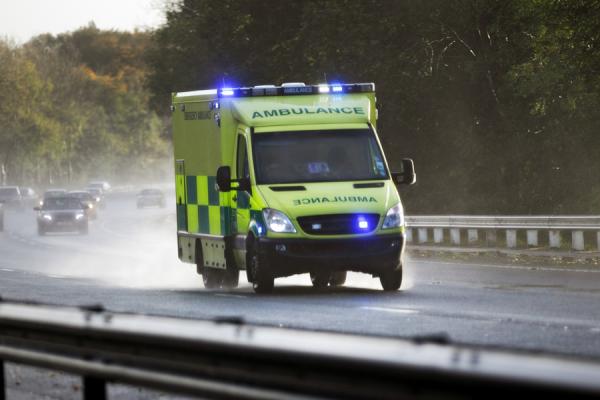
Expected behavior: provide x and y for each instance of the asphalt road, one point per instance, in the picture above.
(128, 262)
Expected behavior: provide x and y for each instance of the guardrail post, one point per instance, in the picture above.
(409, 235)
(554, 239)
(511, 238)
(472, 235)
(423, 235)
(577, 241)
(438, 235)
(455, 236)
(490, 237)
(532, 237)
(94, 388)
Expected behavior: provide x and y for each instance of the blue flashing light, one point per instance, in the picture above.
(337, 88)
(227, 92)
(323, 89)
(363, 224)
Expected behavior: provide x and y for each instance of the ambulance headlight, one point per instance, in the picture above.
(47, 217)
(394, 217)
(79, 216)
(277, 221)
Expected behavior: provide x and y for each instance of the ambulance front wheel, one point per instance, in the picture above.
(391, 280)
(259, 271)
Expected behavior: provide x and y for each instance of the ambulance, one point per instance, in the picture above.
(283, 180)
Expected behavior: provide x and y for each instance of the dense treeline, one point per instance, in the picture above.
(75, 107)
(497, 101)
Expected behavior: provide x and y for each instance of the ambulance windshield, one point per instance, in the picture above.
(317, 156)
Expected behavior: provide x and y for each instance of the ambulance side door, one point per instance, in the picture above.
(241, 199)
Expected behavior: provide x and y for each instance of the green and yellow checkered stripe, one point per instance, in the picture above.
(205, 209)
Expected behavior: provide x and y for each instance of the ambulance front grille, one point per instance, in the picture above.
(339, 224)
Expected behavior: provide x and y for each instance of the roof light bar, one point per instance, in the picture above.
(296, 89)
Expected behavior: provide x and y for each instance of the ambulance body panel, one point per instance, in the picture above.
(284, 180)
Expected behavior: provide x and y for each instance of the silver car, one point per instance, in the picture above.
(62, 214)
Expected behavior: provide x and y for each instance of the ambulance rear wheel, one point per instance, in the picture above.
(259, 271)
(338, 278)
(213, 278)
(391, 280)
(320, 280)
(231, 279)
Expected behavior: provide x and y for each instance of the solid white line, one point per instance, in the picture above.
(393, 310)
(237, 296)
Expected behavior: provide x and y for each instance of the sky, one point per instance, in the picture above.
(20, 20)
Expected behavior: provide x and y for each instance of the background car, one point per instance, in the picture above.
(50, 193)
(11, 197)
(86, 199)
(98, 196)
(62, 214)
(150, 197)
(103, 185)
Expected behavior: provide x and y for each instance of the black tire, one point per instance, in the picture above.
(391, 280)
(338, 278)
(1, 224)
(259, 271)
(213, 278)
(231, 279)
(320, 280)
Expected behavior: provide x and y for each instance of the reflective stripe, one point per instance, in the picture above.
(209, 211)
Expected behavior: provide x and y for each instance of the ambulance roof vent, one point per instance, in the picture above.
(292, 84)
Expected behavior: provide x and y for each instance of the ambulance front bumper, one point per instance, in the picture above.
(373, 254)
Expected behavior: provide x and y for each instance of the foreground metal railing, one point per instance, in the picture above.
(556, 227)
(226, 359)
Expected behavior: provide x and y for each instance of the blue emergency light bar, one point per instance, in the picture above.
(295, 90)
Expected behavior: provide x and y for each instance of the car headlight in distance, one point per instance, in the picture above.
(79, 216)
(277, 221)
(394, 217)
(47, 217)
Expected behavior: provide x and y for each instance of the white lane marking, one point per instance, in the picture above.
(518, 267)
(394, 310)
(7, 270)
(237, 296)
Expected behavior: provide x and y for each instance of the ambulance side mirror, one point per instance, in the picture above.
(224, 178)
(408, 175)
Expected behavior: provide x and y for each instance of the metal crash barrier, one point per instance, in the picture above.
(227, 359)
(447, 229)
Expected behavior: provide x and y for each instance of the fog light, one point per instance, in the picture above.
(280, 248)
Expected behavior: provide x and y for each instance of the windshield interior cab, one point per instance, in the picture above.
(317, 156)
(62, 203)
